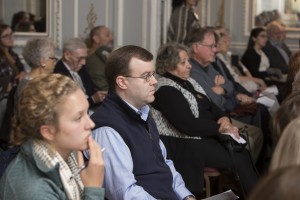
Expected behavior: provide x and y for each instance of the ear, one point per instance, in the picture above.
(96, 39)
(194, 47)
(121, 82)
(47, 132)
(67, 55)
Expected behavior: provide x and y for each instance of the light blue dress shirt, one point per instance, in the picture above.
(119, 180)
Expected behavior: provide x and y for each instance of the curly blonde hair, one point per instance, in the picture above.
(38, 104)
(287, 149)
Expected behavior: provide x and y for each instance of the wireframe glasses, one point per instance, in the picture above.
(146, 77)
(213, 46)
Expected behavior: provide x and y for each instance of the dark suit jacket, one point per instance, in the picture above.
(275, 58)
(60, 68)
(218, 64)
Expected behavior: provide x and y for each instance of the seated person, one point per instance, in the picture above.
(101, 45)
(136, 165)
(250, 83)
(222, 92)
(256, 60)
(181, 105)
(275, 49)
(51, 125)
(72, 65)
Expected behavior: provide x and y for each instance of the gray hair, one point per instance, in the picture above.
(72, 44)
(37, 49)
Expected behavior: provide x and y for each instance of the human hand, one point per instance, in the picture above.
(244, 99)
(219, 80)
(99, 96)
(93, 174)
(218, 90)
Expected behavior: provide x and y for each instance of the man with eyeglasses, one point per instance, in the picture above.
(135, 158)
(72, 64)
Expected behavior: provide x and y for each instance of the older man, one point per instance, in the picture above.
(204, 48)
(72, 65)
(276, 50)
(135, 158)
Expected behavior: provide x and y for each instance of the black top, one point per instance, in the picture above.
(174, 106)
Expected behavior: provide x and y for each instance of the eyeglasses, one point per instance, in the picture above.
(79, 59)
(6, 36)
(146, 77)
(213, 46)
(54, 59)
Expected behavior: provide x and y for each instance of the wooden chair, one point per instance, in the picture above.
(208, 173)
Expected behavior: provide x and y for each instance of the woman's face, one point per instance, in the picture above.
(261, 39)
(183, 68)
(75, 124)
(49, 63)
(6, 38)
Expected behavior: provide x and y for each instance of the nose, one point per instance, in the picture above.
(89, 124)
(189, 65)
(153, 80)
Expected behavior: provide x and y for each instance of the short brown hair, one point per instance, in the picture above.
(118, 62)
(197, 35)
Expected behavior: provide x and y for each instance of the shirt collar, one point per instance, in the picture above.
(143, 111)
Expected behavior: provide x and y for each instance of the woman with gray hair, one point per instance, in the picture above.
(39, 54)
(190, 124)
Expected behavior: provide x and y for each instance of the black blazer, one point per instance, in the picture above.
(275, 58)
(88, 84)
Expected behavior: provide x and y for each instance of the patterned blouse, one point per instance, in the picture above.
(7, 70)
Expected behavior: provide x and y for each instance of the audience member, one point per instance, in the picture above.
(102, 44)
(39, 54)
(289, 110)
(182, 21)
(72, 64)
(294, 68)
(256, 60)
(51, 125)
(136, 165)
(279, 184)
(100, 36)
(275, 49)
(203, 49)
(287, 149)
(224, 67)
(250, 83)
(11, 68)
(190, 124)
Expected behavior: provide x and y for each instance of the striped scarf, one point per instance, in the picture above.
(71, 181)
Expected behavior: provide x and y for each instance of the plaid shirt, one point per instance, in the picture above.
(6, 69)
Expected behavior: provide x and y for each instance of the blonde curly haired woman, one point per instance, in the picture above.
(51, 125)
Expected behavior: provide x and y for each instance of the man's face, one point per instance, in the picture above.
(105, 37)
(205, 51)
(140, 90)
(76, 59)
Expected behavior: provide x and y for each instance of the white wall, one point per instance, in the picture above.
(138, 22)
